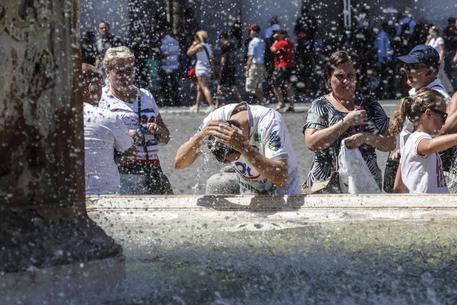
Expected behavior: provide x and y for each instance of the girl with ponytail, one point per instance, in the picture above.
(420, 163)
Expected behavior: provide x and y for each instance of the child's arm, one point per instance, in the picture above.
(438, 144)
(451, 122)
(399, 186)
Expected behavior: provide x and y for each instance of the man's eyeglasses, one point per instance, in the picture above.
(441, 113)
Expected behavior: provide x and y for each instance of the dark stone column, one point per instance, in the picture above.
(41, 119)
(42, 208)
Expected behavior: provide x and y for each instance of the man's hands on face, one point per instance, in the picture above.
(227, 134)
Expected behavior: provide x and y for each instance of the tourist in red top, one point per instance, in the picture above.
(283, 51)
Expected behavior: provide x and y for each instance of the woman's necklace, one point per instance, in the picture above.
(347, 104)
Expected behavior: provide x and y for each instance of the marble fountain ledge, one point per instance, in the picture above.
(314, 208)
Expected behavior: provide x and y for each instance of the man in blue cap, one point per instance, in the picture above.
(421, 66)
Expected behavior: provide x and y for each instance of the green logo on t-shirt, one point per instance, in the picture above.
(274, 142)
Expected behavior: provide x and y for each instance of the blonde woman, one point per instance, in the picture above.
(203, 69)
(138, 110)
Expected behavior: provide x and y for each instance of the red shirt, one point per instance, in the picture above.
(284, 55)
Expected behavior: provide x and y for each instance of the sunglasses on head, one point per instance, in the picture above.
(441, 113)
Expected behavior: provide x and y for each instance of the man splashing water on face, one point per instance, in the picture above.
(255, 140)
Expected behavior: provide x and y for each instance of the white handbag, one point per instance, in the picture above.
(355, 177)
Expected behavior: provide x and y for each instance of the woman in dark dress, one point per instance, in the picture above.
(341, 114)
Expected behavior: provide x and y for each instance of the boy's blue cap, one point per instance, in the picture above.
(422, 54)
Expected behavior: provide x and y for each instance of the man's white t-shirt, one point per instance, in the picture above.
(103, 132)
(268, 133)
(421, 174)
(409, 126)
(128, 113)
(256, 49)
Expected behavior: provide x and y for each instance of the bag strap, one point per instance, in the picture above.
(143, 142)
(335, 158)
(207, 53)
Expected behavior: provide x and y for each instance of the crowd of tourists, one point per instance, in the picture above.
(124, 130)
(167, 60)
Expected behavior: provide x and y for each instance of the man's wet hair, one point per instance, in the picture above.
(220, 150)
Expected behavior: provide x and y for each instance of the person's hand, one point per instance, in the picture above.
(159, 131)
(356, 140)
(395, 155)
(136, 135)
(233, 136)
(356, 117)
(211, 128)
(227, 134)
(197, 45)
(154, 129)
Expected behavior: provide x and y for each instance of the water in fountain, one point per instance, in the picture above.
(206, 158)
(237, 258)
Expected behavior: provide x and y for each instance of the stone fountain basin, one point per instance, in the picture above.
(319, 249)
